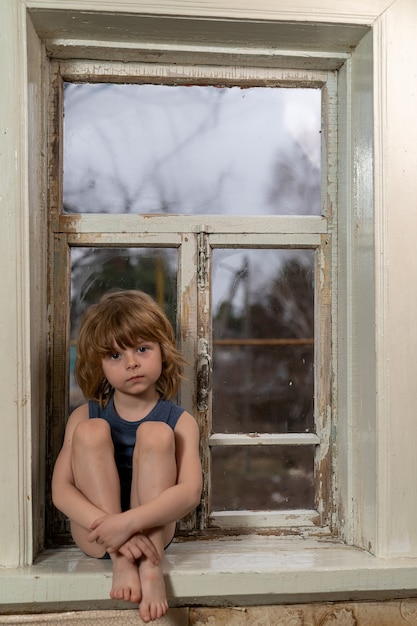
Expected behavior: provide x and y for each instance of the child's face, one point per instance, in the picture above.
(134, 370)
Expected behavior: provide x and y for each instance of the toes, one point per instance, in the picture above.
(153, 612)
(135, 597)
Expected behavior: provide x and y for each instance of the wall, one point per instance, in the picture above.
(396, 613)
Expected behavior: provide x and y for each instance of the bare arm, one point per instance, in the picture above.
(170, 505)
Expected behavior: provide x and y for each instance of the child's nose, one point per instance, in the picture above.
(132, 361)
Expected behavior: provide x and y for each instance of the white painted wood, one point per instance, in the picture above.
(396, 277)
(243, 570)
(38, 240)
(183, 54)
(303, 519)
(188, 315)
(146, 239)
(356, 385)
(181, 40)
(264, 439)
(15, 443)
(271, 240)
(376, 405)
(345, 11)
(151, 224)
(193, 73)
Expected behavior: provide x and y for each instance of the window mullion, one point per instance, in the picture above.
(204, 344)
(280, 229)
(264, 439)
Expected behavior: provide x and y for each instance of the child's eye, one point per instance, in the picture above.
(142, 349)
(114, 356)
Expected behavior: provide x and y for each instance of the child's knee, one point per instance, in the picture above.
(155, 436)
(92, 433)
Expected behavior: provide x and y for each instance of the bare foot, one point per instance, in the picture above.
(126, 583)
(154, 600)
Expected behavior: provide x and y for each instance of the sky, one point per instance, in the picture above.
(187, 150)
(194, 150)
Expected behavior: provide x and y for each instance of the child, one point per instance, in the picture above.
(129, 466)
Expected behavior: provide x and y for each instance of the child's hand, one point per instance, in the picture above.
(111, 531)
(137, 546)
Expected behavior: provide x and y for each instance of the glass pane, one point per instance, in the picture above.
(97, 270)
(262, 478)
(263, 336)
(191, 150)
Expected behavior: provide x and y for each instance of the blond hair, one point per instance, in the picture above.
(121, 318)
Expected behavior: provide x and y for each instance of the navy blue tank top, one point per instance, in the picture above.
(124, 436)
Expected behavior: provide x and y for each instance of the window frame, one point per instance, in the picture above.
(119, 230)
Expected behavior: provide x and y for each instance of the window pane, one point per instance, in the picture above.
(262, 478)
(263, 336)
(97, 270)
(157, 149)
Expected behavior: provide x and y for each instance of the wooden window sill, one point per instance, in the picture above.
(248, 570)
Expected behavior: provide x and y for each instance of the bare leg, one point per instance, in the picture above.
(97, 478)
(154, 470)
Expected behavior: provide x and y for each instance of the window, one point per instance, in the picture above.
(372, 47)
(209, 196)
